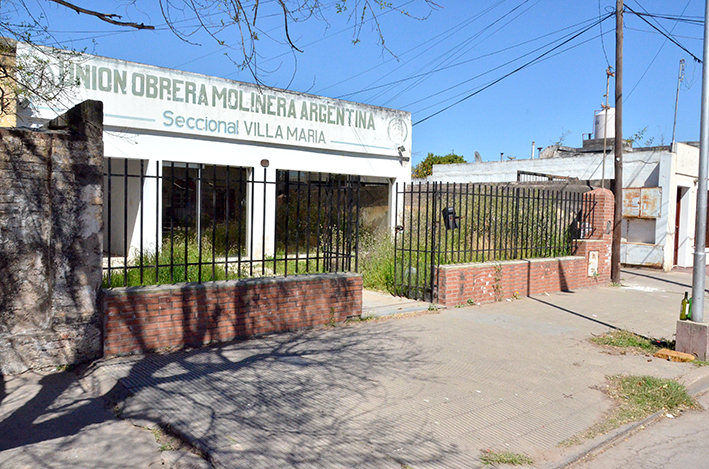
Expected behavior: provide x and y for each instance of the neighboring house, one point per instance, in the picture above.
(659, 192)
(161, 120)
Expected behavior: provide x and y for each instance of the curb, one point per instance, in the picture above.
(698, 385)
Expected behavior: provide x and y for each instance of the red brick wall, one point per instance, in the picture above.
(140, 319)
(494, 281)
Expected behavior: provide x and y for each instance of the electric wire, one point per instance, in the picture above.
(442, 36)
(489, 54)
(493, 69)
(626, 98)
(527, 64)
(603, 45)
(456, 55)
(484, 84)
(693, 38)
(668, 36)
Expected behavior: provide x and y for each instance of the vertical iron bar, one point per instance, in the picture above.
(227, 207)
(490, 216)
(342, 222)
(142, 228)
(434, 244)
(200, 168)
(529, 220)
(286, 233)
(357, 219)
(187, 221)
(158, 228)
(214, 222)
(418, 243)
(411, 234)
(251, 236)
(479, 225)
(125, 222)
(109, 222)
(447, 235)
(318, 227)
(496, 221)
(172, 222)
(396, 234)
(263, 229)
(308, 222)
(548, 222)
(467, 219)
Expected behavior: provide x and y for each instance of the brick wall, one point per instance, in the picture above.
(140, 319)
(50, 241)
(494, 281)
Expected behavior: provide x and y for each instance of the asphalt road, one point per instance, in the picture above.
(665, 443)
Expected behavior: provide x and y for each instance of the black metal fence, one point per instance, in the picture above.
(445, 223)
(177, 222)
(530, 176)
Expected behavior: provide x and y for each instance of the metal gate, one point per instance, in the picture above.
(452, 223)
(416, 241)
(318, 219)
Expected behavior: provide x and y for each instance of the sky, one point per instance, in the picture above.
(466, 70)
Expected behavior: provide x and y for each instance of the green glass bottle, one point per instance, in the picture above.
(689, 310)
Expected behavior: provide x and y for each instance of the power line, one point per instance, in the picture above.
(535, 63)
(512, 72)
(694, 38)
(603, 44)
(626, 98)
(668, 36)
(457, 64)
(443, 36)
(470, 42)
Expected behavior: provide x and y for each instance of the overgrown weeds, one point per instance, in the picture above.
(626, 339)
(377, 264)
(493, 458)
(636, 398)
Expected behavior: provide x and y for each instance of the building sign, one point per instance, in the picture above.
(144, 97)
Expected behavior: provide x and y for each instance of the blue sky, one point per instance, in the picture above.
(431, 63)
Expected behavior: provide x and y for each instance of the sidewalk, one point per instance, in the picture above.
(430, 390)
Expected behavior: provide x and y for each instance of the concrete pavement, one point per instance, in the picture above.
(429, 390)
(53, 420)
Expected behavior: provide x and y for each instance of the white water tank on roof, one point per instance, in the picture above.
(604, 120)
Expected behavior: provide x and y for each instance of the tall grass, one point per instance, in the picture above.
(377, 263)
(178, 261)
(495, 224)
(175, 262)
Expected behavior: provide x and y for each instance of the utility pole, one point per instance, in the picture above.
(609, 74)
(700, 258)
(680, 78)
(618, 150)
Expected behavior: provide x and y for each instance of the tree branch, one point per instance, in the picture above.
(107, 17)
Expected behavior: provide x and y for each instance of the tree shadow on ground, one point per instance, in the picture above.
(296, 399)
(303, 399)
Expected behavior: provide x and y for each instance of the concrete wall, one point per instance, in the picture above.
(494, 281)
(148, 318)
(50, 241)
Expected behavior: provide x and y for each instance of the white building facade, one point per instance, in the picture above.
(157, 118)
(659, 185)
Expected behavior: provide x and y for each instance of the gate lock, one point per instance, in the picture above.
(450, 220)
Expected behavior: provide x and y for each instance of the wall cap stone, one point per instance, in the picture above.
(219, 284)
(510, 262)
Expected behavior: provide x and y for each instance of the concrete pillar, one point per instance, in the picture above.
(261, 216)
